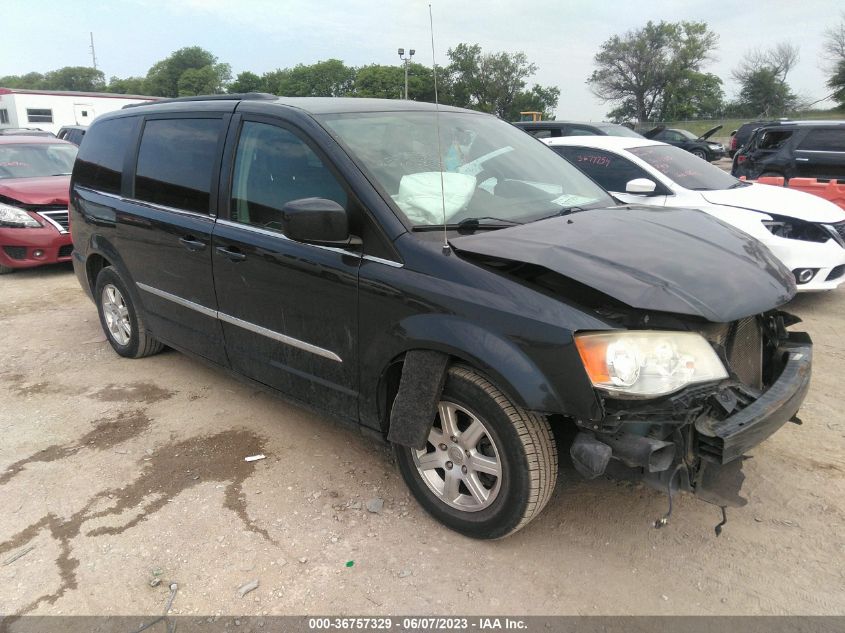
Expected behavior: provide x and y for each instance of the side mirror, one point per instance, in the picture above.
(641, 185)
(316, 221)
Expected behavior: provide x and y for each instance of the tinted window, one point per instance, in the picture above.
(39, 115)
(100, 163)
(176, 161)
(830, 140)
(540, 133)
(273, 167)
(610, 170)
(581, 131)
(685, 169)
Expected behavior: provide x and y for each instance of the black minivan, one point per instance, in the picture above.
(441, 279)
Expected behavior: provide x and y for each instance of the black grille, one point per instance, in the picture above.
(836, 273)
(15, 252)
(60, 217)
(745, 352)
(840, 228)
(66, 250)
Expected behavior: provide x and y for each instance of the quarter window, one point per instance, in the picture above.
(39, 115)
(100, 163)
(176, 162)
(273, 166)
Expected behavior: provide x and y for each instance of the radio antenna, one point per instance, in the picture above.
(446, 248)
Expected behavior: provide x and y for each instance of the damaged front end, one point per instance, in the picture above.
(694, 440)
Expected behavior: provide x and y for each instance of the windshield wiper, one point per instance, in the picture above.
(563, 211)
(741, 183)
(469, 224)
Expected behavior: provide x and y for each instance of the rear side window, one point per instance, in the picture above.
(773, 139)
(823, 140)
(609, 170)
(100, 163)
(176, 162)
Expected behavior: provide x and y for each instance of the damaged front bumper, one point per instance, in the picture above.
(695, 440)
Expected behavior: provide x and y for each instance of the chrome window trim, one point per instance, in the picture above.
(152, 205)
(46, 216)
(280, 235)
(246, 325)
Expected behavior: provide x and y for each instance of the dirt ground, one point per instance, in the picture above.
(121, 473)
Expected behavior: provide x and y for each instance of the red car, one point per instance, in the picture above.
(34, 182)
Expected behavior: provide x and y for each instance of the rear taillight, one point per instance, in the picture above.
(733, 142)
(741, 158)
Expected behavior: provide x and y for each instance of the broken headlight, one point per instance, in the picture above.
(17, 218)
(646, 364)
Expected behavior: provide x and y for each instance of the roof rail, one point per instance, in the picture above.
(242, 96)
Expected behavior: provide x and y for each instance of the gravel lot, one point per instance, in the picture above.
(120, 474)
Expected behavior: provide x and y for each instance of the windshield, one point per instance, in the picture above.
(36, 160)
(684, 168)
(490, 169)
(687, 134)
(618, 130)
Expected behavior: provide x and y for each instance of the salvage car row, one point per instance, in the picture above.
(453, 286)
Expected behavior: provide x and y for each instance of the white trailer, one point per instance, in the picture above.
(50, 110)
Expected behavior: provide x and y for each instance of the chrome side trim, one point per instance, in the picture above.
(820, 151)
(252, 327)
(277, 336)
(178, 300)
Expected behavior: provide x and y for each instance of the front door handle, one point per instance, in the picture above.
(192, 244)
(232, 255)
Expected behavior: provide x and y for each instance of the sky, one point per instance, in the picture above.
(560, 37)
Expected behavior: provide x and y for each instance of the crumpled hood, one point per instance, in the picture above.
(670, 260)
(47, 190)
(778, 200)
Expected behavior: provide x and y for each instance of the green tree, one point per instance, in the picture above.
(538, 99)
(837, 84)
(762, 76)
(493, 82)
(834, 52)
(692, 95)
(199, 81)
(29, 81)
(388, 82)
(127, 86)
(635, 69)
(246, 82)
(80, 78)
(163, 79)
(329, 78)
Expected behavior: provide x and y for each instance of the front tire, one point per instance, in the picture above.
(122, 323)
(700, 153)
(499, 465)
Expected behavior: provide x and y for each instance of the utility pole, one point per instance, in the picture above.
(406, 60)
(93, 53)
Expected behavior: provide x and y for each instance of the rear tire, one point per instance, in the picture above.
(489, 434)
(122, 323)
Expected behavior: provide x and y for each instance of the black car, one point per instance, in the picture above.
(552, 129)
(457, 295)
(790, 149)
(696, 145)
(72, 133)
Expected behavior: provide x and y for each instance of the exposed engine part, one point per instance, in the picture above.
(664, 520)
